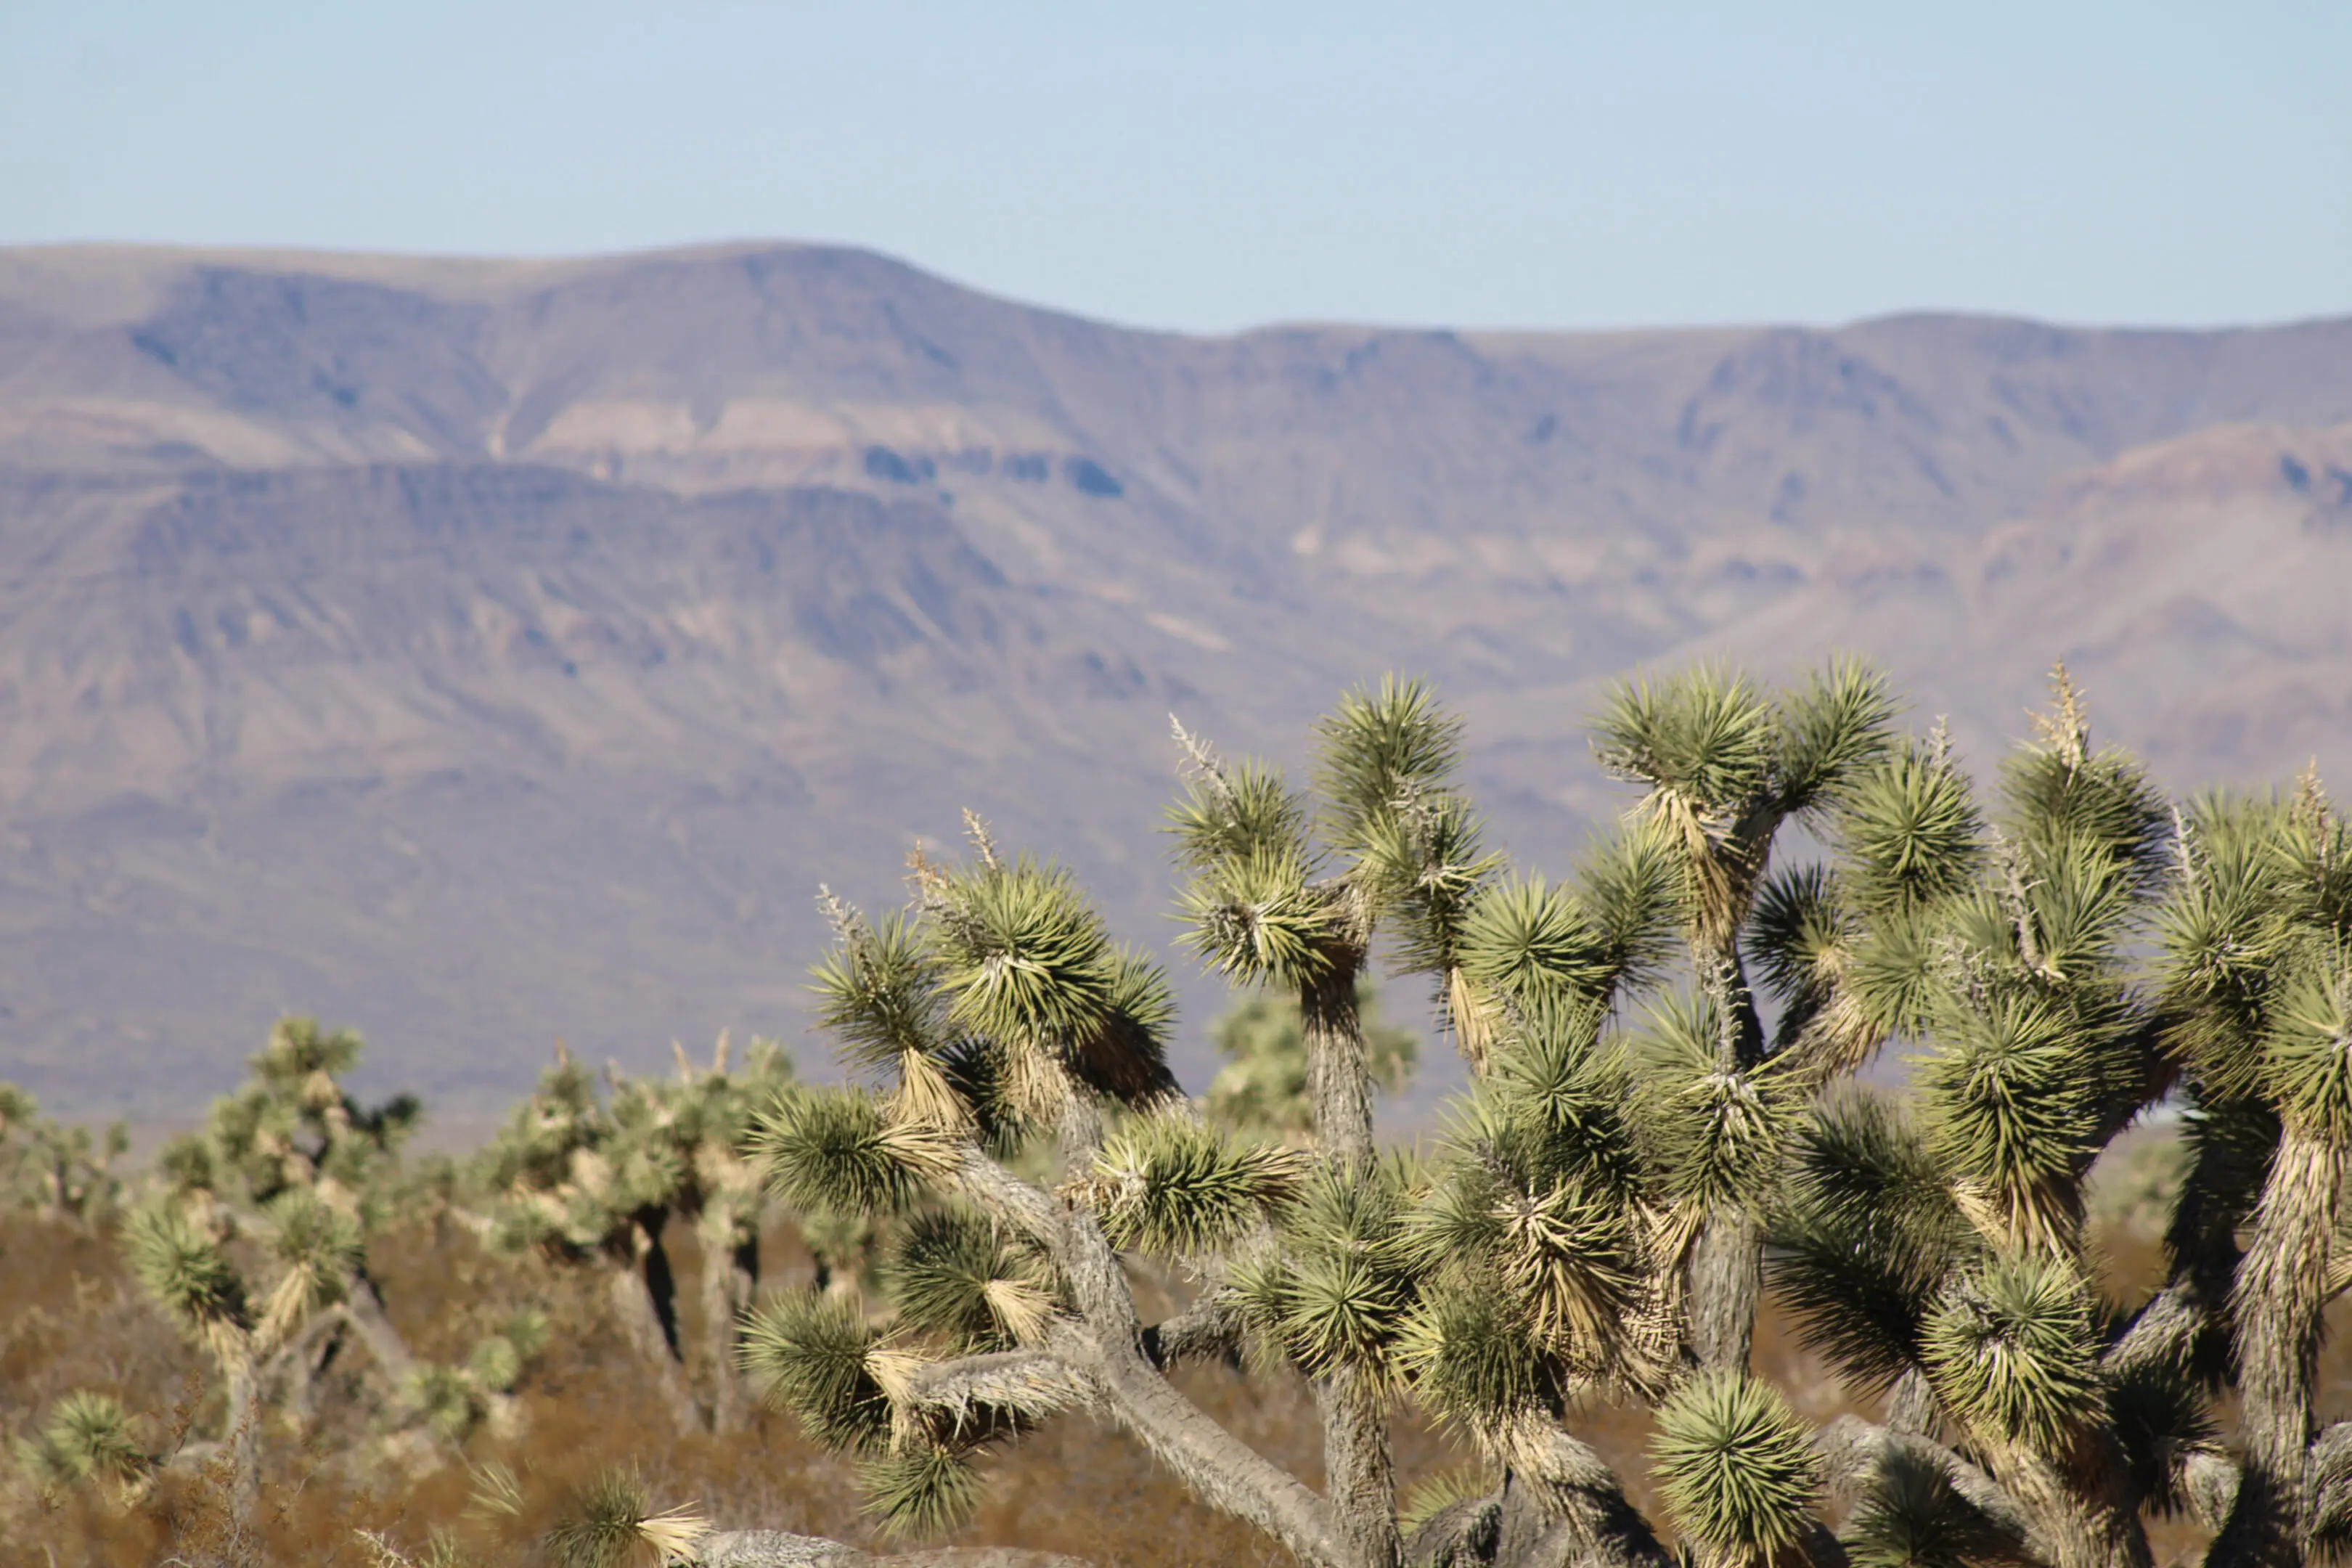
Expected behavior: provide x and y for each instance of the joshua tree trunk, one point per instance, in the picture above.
(2282, 1290)
(1725, 1272)
(1578, 1517)
(2087, 1513)
(1339, 1079)
(645, 1303)
(241, 1444)
(731, 1278)
(374, 1327)
(1727, 1279)
(1359, 1472)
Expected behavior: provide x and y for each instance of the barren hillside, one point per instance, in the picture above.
(480, 652)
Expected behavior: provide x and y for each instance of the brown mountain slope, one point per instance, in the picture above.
(482, 651)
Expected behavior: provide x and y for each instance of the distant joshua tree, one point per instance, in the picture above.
(1663, 1125)
(592, 1181)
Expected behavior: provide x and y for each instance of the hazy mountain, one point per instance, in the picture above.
(478, 652)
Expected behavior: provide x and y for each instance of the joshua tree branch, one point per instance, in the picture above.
(1102, 1348)
(2281, 1293)
(1561, 1505)
(1208, 1330)
(2162, 1332)
(373, 1326)
(1856, 1450)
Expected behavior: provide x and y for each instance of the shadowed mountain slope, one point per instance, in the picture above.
(480, 652)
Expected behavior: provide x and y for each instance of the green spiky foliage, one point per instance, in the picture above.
(274, 1200)
(88, 1439)
(293, 1125)
(609, 1522)
(589, 1174)
(1738, 1469)
(1261, 1089)
(1661, 1124)
(458, 1400)
(1910, 1516)
(1173, 1186)
(61, 1172)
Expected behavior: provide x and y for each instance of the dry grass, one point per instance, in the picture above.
(71, 1318)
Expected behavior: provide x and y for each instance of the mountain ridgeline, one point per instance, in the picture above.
(487, 651)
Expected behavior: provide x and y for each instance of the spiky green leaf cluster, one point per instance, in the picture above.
(1334, 1294)
(880, 993)
(2013, 1352)
(1532, 1233)
(1909, 832)
(186, 1271)
(1738, 1469)
(1865, 1236)
(809, 1354)
(89, 1437)
(1528, 941)
(955, 1275)
(921, 1492)
(1178, 1187)
(1262, 917)
(1714, 1131)
(1909, 1516)
(843, 1150)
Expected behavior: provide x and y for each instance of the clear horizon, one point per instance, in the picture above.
(1500, 166)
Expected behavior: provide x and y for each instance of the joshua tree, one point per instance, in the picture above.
(593, 1181)
(292, 1148)
(1662, 1122)
(61, 1173)
(255, 1245)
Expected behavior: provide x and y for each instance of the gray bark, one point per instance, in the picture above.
(2281, 1293)
(2085, 1513)
(1459, 1536)
(731, 1278)
(375, 1328)
(1856, 1450)
(1208, 1330)
(1339, 1079)
(1359, 1472)
(1724, 1275)
(1104, 1347)
(780, 1549)
(641, 1289)
(1571, 1512)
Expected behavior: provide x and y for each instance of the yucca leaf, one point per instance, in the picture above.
(880, 993)
(2013, 1352)
(953, 1273)
(1831, 728)
(809, 1353)
(1236, 814)
(921, 1492)
(1378, 748)
(840, 1148)
(1256, 918)
(186, 1272)
(1737, 1469)
(1910, 832)
(1174, 1186)
(2308, 1052)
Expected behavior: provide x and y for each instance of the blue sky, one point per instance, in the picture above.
(1211, 165)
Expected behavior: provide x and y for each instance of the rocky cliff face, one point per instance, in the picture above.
(481, 652)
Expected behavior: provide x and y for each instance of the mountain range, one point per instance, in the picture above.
(481, 652)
